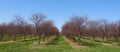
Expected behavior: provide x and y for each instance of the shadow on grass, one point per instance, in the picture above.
(86, 42)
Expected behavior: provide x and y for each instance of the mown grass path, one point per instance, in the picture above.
(57, 45)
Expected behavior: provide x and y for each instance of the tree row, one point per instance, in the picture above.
(40, 27)
(80, 26)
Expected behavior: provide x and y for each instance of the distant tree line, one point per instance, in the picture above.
(21, 27)
(81, 26)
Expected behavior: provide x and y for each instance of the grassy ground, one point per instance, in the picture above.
(98, 46)
(59, 44)
(8, 38)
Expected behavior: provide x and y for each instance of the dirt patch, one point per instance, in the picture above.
(42, 43)
(49, 40)
(73, 44)
(6, 42)
(106, 44)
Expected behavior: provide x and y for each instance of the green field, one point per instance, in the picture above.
(59, 44)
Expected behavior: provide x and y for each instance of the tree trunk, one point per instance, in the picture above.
(15, 37)
(24, 36)
(39, 40)
(44, 37)
(79, 38)
(93, 37)
(103, 38)
(1, 36)
(107, 37)
(117, 38)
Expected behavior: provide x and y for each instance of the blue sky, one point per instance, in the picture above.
(60, 10)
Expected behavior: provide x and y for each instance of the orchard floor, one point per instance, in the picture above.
(58, 44)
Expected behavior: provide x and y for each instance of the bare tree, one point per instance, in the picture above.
(79, 23)
(75, 27)
(20, 24)
(92, 26)
(48, 29)
(2, 26)
(37, 19)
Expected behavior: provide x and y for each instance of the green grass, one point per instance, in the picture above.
(97, 46)
(16, 46)
(57, 45)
